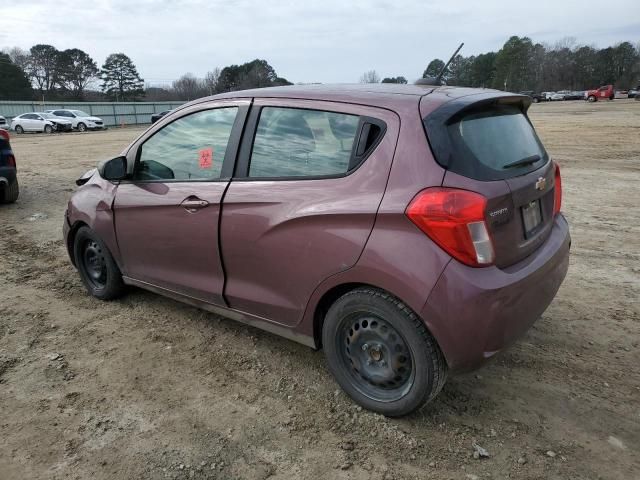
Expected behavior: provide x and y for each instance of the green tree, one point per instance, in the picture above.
(42, 67)
(483, 69)
(514, 64)
(401, 80)
(14, 84)
(434, 68)
(255, 74)
(75, 70)
(120, 78)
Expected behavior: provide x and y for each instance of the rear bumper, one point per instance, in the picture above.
(7, 176)
(475, 312)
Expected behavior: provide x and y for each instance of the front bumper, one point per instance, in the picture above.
(475, 312)
(63, 127)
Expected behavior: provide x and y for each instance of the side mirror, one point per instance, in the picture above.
(114, 169)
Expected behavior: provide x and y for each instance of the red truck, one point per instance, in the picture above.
(606, 91)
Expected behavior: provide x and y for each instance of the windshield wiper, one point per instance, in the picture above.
(523, 161)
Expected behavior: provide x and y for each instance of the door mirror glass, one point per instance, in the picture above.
(114, 169)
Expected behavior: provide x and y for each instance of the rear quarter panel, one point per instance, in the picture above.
(397, 257)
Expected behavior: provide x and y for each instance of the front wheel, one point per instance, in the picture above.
(536, 100)
(381, 354)
(591, 98)
(9, 194)
(48, 129)
(82, 127)
(98, 270)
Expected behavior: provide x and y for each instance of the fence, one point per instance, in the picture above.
(113, 113)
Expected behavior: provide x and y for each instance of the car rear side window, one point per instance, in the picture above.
(190, 148)
(292, 142)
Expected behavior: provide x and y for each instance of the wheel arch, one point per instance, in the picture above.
(71, 238)
(334, 293)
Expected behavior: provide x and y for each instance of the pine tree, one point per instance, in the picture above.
(121, 81)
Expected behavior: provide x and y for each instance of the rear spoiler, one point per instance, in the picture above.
(437, 121)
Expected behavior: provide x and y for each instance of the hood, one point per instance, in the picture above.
(92, 119)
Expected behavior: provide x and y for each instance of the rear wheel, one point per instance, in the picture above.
(19, 129)
(536, 100)
(381, 354)
(48, 129)
(98, 270)
(82, 127)
(9, 194)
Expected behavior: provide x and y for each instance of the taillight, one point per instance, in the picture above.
(557, 199)
(4, 134)
(11, 161)
(454, 219)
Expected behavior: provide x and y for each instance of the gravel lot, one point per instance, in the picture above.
(145, 387)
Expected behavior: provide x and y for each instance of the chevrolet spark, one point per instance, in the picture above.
(411, 232)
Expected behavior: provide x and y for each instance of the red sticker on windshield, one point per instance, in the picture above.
(205, 158)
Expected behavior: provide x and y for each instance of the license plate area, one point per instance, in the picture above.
(531, 218)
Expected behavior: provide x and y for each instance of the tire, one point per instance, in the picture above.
(10, 193)
(98, 270)
(82, 127)
(592, 98)
(48, 129)
(536, 100)
(381, 354)
(19, 130)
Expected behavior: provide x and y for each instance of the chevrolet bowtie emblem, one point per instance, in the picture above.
(541, 184)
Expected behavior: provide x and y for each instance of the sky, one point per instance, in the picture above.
(328, 41)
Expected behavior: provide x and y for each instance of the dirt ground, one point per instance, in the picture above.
(146, 387)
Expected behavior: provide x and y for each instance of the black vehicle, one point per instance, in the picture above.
(535, 97)
(8, 178)
(157, 116)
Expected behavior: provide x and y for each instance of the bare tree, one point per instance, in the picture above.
(370, 77)
(19, 56)
(188, 87)
(211, 80)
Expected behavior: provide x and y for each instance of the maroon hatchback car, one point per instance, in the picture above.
(409, 231)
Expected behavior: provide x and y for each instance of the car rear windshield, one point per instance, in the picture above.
(494, 143)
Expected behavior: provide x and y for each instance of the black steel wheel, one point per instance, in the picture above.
(98, 270)
(381, 353)
(376, 356)
(94, 263)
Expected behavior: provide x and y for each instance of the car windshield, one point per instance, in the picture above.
(80, 113)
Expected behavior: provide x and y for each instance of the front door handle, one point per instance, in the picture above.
(193, 204)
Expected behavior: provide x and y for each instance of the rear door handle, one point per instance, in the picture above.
(193, 204)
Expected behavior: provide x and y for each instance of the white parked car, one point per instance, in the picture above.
(80, 120)
(39, 122)
(4, 125)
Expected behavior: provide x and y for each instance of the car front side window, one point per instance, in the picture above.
(190, 148)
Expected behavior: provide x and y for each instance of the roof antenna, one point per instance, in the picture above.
(437, 81)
